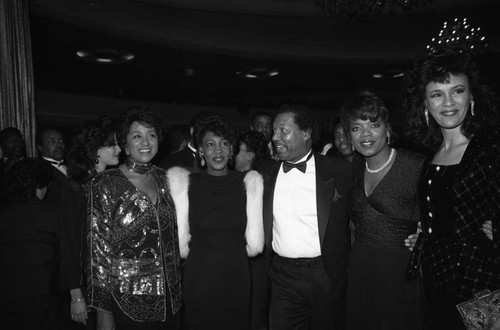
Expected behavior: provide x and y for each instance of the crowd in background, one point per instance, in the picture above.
(266, 227)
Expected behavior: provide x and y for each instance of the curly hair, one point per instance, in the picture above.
(304, 118)
(22, 180)
(215, 124)
(142, 114)
(256, 143)
(364, 105)
(438, 68)
(84, 145)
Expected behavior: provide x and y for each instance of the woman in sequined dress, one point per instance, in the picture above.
(384, 209)
(221, 227)
(93, 147)
(134, 269)
(456, 119)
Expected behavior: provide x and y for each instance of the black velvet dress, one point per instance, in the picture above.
(216, 272)
(378, 295)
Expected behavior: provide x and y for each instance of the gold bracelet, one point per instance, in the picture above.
(77, 299)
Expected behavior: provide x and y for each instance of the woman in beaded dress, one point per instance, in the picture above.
(384, 209)
(220, 228)
(93, 147)
(134, 264)
(456, 118)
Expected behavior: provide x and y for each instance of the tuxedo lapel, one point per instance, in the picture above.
(324, 195)
(269, 185)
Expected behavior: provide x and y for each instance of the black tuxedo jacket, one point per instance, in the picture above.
(57, 183)
(333, 184)
(183, 158)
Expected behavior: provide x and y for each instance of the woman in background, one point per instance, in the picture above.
(134, 264)
(93, 148)
(251, 151)
(456, 118)
(221, 227)
(28, 249)
(384, 209)
(341, 144)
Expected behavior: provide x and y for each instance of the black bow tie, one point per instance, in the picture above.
(301, 166)
(61, 163)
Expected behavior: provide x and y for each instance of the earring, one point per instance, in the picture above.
(388, 140)
(352, 147)
(126, 152)
(472, 108)
(202, 161)
(426, 114)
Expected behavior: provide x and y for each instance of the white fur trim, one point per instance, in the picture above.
(254, 233)
(178, 179)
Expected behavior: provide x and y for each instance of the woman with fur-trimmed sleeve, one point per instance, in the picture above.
(219, 214)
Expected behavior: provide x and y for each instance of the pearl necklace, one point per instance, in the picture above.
(393, 152)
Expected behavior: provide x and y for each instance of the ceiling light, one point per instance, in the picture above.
(106, 55)
(377, 75)
(257, 73)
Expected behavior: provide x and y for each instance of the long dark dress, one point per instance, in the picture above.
(378, 295)
(216, 273)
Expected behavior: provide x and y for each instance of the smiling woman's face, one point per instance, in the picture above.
(142, 143)
(216, 151)
(449, 102)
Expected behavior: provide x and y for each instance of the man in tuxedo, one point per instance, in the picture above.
(262, 122)
(306, 227)
(186, 157)
(51, 147)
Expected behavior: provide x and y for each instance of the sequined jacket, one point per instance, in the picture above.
(467, 261)
(134, 259)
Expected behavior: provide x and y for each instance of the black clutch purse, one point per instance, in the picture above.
(482, 311)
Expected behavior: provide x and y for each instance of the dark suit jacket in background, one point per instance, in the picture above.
(333, 183)
(58, 180)
(183, 158)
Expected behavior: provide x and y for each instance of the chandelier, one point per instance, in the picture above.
(367, 8)
(458, 36)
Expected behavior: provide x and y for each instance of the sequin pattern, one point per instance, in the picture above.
(133, 248)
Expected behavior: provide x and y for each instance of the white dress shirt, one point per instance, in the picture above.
(58, 165)
(295, 220)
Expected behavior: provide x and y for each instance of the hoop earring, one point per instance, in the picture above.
(426, 114)
(202, 161)
(472, 108)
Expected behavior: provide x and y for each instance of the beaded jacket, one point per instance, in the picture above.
(134, 259)
(467, 262)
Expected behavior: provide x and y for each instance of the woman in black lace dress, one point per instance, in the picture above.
(384, 210)
(456, 119)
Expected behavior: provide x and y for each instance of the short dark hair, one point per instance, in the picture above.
(85, 143)
(304, 118)
(142, 114)
(437, 68)
(8, 132)
(261, 114)
(256, 143)
(364, 105)
(22, 180)
(215, 124)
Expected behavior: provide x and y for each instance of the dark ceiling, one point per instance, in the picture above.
(188, 52)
